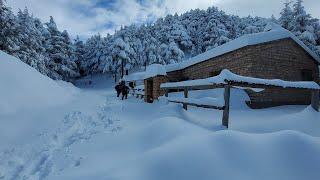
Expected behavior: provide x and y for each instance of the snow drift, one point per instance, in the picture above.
(98, 136)
(22, 87)
(229, 155)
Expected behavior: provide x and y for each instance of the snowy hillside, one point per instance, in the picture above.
(98, 136)
(54, 130)
(22, 87)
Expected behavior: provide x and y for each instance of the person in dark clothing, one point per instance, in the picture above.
(123, 83)
(118, 89)
(131, 84)
(125, 91)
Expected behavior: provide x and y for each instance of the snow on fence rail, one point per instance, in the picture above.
(138, 91)
(139, 88)
(212, 103)
(227, 80)
(227, 77)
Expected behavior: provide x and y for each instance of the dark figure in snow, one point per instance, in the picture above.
(124, 91)
(131, 85)
(118, 88)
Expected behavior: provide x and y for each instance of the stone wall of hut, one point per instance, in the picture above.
(282, 59)
(153, 92)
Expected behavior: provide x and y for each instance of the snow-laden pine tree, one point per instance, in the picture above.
(179, 34)
(171, 39)
(60, 53)
(151, 50)
(175, 38)
(304, 26)
(301, 18)
(171, 53)
(79, 52)
(94, 56)
(69, 68)
(252, 25)
(8, 30)
(316, 26)
(30, 42)
(45, 38)
(120, 55)
(286, 15)
(215, 32)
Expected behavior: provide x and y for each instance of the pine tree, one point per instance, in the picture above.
(8, 29)
(273, 19)
(92, 58)
(44, 37)
(60, 51)
(286, 15)
(79, 52)
(69, 67)
(30, 42)
(171, 53)
(120, 51)
(170, 39)
(300, 18)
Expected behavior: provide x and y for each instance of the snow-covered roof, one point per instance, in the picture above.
(135, 76)
(155, 70)
(152, 71)
(273, 33)
(227, 75)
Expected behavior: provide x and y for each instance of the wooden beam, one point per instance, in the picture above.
(196, 87)
(225, 118)
(185, 92)
(315, 100)
(199, 105)
(232, 83)
(262, 86)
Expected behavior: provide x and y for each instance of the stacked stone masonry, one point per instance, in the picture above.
(154, 91)
(282, 59)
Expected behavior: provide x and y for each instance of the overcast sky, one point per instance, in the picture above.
(87, 17)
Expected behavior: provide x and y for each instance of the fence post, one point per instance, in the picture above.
(225, 118)
(315, 100)
(185, 106)
(167, 92)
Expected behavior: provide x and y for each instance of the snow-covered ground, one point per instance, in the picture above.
(91, 134)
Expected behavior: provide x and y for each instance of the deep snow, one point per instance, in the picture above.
(23, 87)
(94, 135)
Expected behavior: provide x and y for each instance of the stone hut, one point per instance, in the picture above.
(273, 54)
(155, 75)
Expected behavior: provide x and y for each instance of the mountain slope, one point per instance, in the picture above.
(22, 87)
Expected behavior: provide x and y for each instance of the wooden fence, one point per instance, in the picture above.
(227, 84)
(138, 92)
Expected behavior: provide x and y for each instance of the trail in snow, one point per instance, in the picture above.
(35, 161)
(102, 137)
